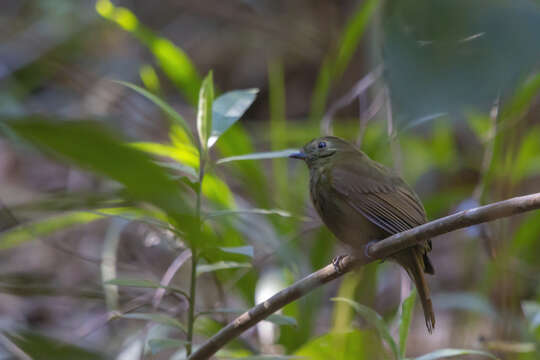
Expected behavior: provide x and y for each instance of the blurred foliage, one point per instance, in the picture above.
(202, 189)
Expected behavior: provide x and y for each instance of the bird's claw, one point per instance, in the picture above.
(337, 263)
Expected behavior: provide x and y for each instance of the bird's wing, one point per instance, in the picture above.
(382, 198)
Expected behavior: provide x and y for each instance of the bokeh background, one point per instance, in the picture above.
(446, 92)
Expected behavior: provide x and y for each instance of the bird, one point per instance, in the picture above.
(361, 201)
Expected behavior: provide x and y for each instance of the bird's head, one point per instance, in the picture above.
(323, 149)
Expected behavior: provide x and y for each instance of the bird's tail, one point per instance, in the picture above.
(412, 260)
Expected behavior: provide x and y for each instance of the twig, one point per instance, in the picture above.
(169, 274)
(379, 250)
(357, 90)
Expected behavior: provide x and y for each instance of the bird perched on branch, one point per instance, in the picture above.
(361, 201)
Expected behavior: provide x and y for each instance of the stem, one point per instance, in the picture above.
(194, 259)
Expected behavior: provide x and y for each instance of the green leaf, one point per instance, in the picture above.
(444, 353)
(186, 155)
(148, 284)
(277, 319)
(166, 108)
(349, 345)
(259, 156)
(335, 64)
(204, 111)
(159, 344)
(227, 109)
(375, 320)
(174, 62)
(221, 265)
(44, 227)
(216, 190)
(157, 318)
(278, 212)
(37, 346)
(405, 322)
(93, 147)
(264, 357)
(242, 250)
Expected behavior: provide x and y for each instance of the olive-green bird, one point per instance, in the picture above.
(361, 201)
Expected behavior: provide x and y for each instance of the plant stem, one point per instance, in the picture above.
(194, 259)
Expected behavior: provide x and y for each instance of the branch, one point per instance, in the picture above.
(379, 250)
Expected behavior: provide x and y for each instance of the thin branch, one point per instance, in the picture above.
(379, 250)
(360, 87)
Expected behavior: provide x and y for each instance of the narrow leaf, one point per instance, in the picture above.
(44, 227)
(159, 344)
(204, 111)
(531, 310)
(157, 318)
(405, 322)
(259, 156)
(222, 265)
(445, 353)
(375, 320)
(166, 108)
(242, 250)
(278, 212)
(227, 109)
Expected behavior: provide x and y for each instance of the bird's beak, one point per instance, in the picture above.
(298, 155)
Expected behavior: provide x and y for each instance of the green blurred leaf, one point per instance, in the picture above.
(44, 227)
(140, 283)
(375, 320)
(186, 155)
(172, 60)
(405, 322)
(351, 345)
(263, 357)
(216, 190)
(243, 250)
(446, 353)
(259, 156)
(166, 108)
(91, 146)
(227, 109)
(335, 63)
(157, 318)
(221, 265)
(149, 78)
(47, 348)
(159, 344)
(204, 111)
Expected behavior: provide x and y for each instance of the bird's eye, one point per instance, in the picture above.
(322, 145)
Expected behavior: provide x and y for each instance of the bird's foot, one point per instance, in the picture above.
(366, 248)
(337, 262)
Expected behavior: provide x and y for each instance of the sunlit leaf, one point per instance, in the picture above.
(227, 109)
(167, 109)
(204, 110)
(157, 318)
(221, 265)
(446, 353)
(44, 227)
(375, 320)
(242, 250)
(259, 156)
(149, 78)
(174, 62)
(405, 322)
(156, 345)
(141, 283)
(187, 155)
(263, 357)
(216, 190)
